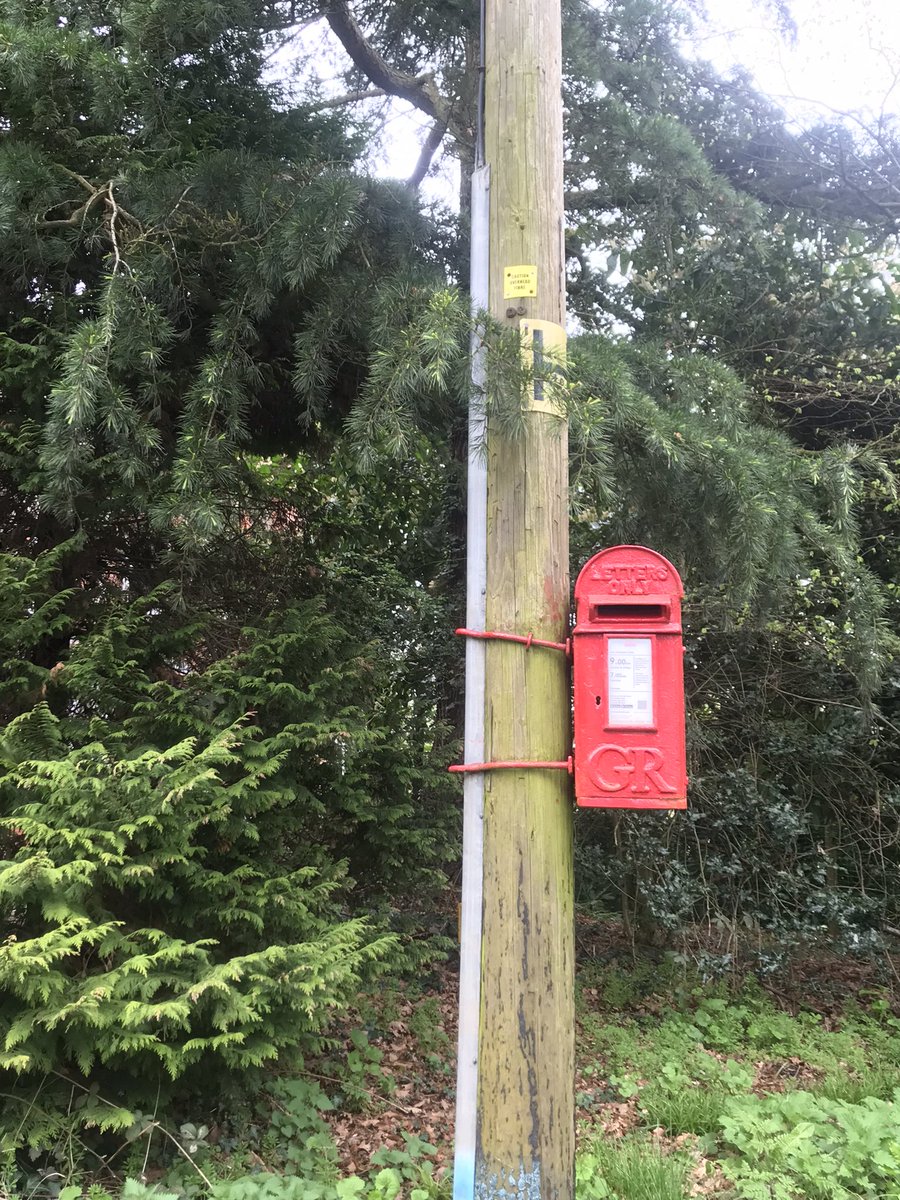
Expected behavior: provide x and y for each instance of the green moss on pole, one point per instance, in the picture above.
(526, 1102)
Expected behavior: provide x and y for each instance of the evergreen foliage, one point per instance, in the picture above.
(233, 369)
(174, 877)
(673, 440)
(204, 254)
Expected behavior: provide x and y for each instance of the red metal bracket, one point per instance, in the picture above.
(463, 768)
(527, 641)
(516, 765)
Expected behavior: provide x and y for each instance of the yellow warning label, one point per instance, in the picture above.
(544, 358)
(519, 282)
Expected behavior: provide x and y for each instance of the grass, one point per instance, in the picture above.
(853, 1088)
(691, 1097)
(629, 1168)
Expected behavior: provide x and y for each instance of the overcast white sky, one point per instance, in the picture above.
(846, 55)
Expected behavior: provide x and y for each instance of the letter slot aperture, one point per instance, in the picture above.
(629, 682)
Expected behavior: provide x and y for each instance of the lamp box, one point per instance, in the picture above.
(629, 682)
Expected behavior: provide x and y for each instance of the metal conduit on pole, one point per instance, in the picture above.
(476, 591)
(473, 786)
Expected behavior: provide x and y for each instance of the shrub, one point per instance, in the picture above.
(175, 820)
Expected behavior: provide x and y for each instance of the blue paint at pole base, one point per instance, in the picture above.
(463, 1176)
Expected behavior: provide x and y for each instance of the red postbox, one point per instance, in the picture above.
(629, 682)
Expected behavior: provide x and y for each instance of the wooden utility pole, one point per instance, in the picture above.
(525, 1144)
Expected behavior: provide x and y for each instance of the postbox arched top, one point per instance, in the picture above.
(629, 562)
(627, 573)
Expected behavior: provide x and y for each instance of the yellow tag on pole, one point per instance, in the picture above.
(544, 354)
(519, 282)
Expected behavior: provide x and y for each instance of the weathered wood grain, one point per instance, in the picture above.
(526, 1064)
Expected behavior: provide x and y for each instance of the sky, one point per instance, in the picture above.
(846, 55)
(845, 58)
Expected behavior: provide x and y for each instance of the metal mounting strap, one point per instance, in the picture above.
(527, 641)
(463, 768)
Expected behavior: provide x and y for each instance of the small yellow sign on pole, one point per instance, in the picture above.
(519, 281)
(544, 355)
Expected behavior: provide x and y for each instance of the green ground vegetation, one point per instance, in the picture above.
(728, 1082)
(681, 1084)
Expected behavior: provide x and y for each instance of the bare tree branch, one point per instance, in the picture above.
(76, 218)
(430, 147)
(417, 91)
(85, 183)
(350, 98)
(289, 37)
(115, 212)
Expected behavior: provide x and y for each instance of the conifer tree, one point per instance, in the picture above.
(178, 819)
(218, 804)
(233, 364)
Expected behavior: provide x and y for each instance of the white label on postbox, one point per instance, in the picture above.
(630, 667)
